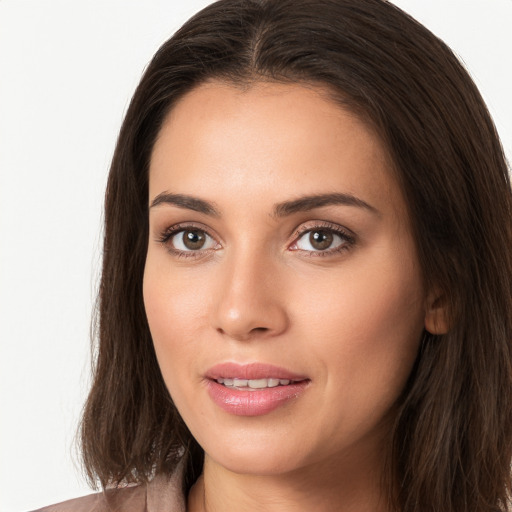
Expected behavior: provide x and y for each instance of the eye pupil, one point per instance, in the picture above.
(193, 239)
(321, 240)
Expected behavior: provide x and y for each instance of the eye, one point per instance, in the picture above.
(187, 240)
(191, 240)
(317, 240)
(323, 240)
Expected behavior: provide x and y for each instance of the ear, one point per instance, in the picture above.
(436, 313)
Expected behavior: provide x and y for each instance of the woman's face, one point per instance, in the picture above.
(280, 255)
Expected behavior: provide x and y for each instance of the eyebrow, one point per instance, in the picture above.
(186, 202)
(306, 203)
(284, 209)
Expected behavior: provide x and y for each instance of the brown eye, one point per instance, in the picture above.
(188, 240)
(321, 239)
(193, 239)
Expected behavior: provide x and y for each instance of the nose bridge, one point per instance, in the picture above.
(248, 304)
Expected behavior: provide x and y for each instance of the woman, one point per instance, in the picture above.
(306, 290)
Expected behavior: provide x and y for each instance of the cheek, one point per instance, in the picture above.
(365, 326)
(171, 297)
(175, 314)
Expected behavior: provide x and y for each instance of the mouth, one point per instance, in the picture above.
(255, 384)
(253, 389)
(252, 375)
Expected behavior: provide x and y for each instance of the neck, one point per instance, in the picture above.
(334, 486)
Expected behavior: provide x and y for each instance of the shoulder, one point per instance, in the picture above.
(127, 499)
(162, 494)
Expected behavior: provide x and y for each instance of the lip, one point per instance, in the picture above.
(230, 370)
(255, 402)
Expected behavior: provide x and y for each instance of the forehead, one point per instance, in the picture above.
(268, 140)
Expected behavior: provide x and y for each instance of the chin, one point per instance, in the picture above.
(265, 454)
(263, 463)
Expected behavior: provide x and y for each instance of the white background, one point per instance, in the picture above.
(67, 71)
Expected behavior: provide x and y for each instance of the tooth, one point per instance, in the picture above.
(253, 383)
(257, 383)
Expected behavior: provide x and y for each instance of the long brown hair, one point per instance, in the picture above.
(453, 433)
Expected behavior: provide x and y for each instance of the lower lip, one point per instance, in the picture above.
(253, 403)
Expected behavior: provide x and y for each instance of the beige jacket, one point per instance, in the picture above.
(160, 495)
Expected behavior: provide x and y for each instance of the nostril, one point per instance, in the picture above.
(254, 332)
(243, 319)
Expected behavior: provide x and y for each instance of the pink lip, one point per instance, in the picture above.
(256, 402)
(251, 371)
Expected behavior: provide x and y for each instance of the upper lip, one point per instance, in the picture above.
(230, 370)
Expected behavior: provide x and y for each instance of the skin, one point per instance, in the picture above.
(259, 291)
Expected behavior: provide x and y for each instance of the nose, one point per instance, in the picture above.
(250, 300)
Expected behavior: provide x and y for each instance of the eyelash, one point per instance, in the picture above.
(347, 236)
(168, 233)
